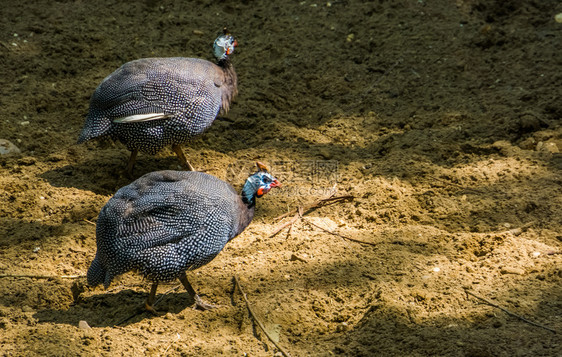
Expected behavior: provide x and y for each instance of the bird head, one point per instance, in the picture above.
(259, 183)
(224, 45)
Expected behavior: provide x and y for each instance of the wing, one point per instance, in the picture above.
(166, 262)
(159, 88)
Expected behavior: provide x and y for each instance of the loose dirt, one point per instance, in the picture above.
(441, 118)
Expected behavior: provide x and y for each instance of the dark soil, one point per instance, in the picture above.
(441, 118)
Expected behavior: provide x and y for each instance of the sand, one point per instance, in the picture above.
(441, 119)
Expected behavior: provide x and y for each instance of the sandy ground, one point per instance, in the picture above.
(441, 118)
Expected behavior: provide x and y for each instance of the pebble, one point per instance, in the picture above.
(558, 18)
(535, 254)
(7, 148)
(26, 308)
(83, 325)
(550, 147)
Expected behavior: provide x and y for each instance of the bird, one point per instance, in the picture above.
(150, 103)
(168, 222)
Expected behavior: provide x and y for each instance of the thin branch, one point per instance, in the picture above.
(88, 221)
(317, 204)
(300, 211)
(41, 276)
(468, 292)
(171, 343)
(166, 293)
(262, 327)
(517, 231)
(285, 225)
(337, 234)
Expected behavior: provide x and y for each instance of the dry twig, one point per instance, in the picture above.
(32, 276)
(262, 327)
(517, 231)
(337, 234)
(468, 292)
(171, 343)
(300, 211)
(317, 204)
(88, 221)
(289, 223)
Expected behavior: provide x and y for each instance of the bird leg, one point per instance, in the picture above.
(131, 163)
(181, 156)
(150, 300)
(199, 303)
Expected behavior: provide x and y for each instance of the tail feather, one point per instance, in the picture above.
(96, 273)
(96, 126)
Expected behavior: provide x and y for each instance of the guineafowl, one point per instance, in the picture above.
(168, 222)
(151, 103)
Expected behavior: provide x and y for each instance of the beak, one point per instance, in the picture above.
(276, 183)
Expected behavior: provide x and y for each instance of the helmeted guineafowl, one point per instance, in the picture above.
(151, 103)
(167, 222)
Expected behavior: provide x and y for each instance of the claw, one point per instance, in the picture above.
(152, 310)
(202, 305)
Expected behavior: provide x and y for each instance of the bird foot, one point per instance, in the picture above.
(152, 310)
(202, 305)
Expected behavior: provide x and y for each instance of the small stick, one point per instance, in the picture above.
(337, 234)
(468, 292)
(517, 231)
(166, 293)
(171, 343)
(285, 225)
(300, 211)
(289, 224)
(317, 204)
(285, 353)
(87, 221)
(289, 231)
(41, 276)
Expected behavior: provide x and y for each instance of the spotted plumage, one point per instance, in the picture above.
(167, 222)
(151, 103)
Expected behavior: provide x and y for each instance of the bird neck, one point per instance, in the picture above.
(229, 89)
(249, 193)
(229, 73)
(225, 63)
